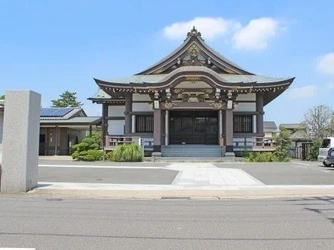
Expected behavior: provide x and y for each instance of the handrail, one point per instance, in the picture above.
(111, 142)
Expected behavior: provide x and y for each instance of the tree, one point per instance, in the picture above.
(67, 99)
(2, 97)
(318, 122)
(283, 143)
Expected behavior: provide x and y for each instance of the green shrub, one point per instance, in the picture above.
(260, 157)
(97, 154)
(314, 151)
(265, 157)
(109, 156)
(88, 149)
(128, 153)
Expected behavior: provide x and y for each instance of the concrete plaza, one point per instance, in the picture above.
(200, 180)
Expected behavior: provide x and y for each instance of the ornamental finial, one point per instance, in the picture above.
(194, 32)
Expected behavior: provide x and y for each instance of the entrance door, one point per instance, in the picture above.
(193, 127)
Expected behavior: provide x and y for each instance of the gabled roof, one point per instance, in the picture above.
(67, 116)
(60, 113)
(269, 126)
(292, 126)
(194, 41)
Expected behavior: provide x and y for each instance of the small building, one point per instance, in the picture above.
(61, 128)
(194, 99)
(299, 140)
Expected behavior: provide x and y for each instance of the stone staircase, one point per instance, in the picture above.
(192, 151)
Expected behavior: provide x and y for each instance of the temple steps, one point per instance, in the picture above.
(192, 151)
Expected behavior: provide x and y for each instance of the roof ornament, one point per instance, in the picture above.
(194, 32)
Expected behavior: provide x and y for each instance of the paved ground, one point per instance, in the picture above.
(43, 223)
(107, 175)
(292, 173)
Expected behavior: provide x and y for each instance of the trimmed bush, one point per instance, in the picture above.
(128, 153)
(88, 149)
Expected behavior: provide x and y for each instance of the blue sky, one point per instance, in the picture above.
(52, 46)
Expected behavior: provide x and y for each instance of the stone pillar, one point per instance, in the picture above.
(128, 110)
(20, 141)
(157, 133)
(105, 110)
(260, 113)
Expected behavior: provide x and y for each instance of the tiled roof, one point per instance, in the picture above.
(269, 126)
(291, 125)
(88, 120)
(231, 78)
(100, 94)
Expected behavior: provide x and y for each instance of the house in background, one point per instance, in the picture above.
(299, 140)
(270, 132)
(61, 128)
(193, 102)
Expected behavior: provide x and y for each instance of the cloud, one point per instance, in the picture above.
(330, 85)
(303, 92)
(253, 36)
(326, 63)
(210, 27)
(256, 34)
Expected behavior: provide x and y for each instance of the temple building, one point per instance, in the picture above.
(194, 99)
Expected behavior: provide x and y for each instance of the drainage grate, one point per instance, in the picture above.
(175, 198)
(54, 199)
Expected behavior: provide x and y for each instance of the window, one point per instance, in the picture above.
(144, 123)
(326, 143)
(242, 124)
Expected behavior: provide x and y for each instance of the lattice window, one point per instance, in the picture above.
(242, 124)
(144, 124)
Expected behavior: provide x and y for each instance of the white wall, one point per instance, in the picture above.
(140, 97)
(246, 97)
(114, 111)
(244, 106)
(116, 127)
(141, 107)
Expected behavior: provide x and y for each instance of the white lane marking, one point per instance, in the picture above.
(94, 166)
(302, 163)
(17, 248)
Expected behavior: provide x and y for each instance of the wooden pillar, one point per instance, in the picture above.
(220, 124)
(157, 131)
(128, 110)
(229, 130)
(260, 113)
(90, 130)
(56, 140)
(166, 127)
(104, 123)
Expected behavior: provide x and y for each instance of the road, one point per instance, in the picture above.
(31, 221)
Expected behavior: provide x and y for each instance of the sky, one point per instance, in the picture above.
(53, 46)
